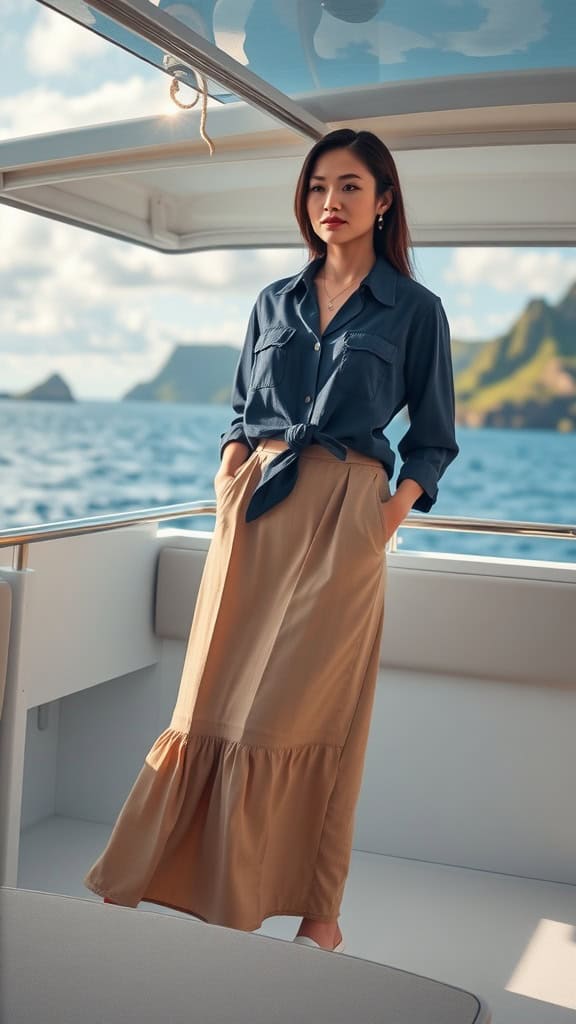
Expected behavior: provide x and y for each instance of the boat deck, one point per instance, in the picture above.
(508, 939)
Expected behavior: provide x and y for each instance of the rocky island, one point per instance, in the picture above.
(192, 373)
(53, 389)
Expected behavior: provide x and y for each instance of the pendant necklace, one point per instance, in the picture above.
(331, 299)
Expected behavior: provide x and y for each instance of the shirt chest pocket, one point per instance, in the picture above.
(270, 357)
(367, 363)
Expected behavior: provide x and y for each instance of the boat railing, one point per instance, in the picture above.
(21, 537)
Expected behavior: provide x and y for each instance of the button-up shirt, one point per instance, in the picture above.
(387, 347)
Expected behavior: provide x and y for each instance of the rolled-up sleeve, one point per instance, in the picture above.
(240, 382)
(429, 445)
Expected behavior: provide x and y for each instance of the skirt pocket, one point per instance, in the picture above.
(379, 485)
(228, 486)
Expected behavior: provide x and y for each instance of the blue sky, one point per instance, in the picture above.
(105, 314)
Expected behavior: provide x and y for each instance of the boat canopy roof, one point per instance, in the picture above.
(483, 127)
(301, 46)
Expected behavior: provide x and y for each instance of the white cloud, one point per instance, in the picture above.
(91, 266)
(545, 273)
(500, 322)
(56, 45)
(10, 7)
(240, 270)
(211, 269)
(280, 263)
(502, 32)
(41, 109)
(464, 327)
(225, 330)
(9, 42)
(386, 41)
(79, 303)
(38, 322)
(133, 319)
(20, 235)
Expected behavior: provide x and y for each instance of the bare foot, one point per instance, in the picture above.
(106, 900)
(326, 934)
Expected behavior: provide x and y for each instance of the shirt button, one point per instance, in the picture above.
(308, 398)
(317, 346)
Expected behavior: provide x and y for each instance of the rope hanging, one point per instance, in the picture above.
(202, 90)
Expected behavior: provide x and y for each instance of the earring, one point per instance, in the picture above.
(380, 221)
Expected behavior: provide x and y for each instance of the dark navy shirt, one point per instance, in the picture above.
(387, 347)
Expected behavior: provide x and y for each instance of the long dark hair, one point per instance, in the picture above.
(393, 241)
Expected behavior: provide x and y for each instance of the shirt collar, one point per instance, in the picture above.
(305, 275)
(381, 280)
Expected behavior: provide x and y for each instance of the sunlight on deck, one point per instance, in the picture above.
(547, 969)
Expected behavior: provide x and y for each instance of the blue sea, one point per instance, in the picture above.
(62, 461)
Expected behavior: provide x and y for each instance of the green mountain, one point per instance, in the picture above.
(192, 373)
(464, 353)
(526, 377)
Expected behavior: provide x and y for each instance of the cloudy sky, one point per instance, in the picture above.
(105, 314)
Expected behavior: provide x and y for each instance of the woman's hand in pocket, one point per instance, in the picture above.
(230, 465)
(394, 512)
(221, 479)
(221, 476)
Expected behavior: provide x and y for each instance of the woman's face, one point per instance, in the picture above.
(342, 187)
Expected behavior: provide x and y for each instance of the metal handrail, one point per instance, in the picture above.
(22, 537)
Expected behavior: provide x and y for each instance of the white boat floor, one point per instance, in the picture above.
(508, 939)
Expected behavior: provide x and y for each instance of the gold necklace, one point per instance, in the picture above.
(331, 299)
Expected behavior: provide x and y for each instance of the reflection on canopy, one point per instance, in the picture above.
(302, 45)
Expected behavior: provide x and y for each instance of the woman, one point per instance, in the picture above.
(245, 806)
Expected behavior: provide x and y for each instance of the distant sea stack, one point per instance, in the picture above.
(53, 389)
(192, 373)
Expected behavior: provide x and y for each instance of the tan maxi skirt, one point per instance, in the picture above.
(244, 808)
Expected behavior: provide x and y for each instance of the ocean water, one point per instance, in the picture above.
(62, 461)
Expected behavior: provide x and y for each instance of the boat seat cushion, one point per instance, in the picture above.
(452, 623)
(178, 578)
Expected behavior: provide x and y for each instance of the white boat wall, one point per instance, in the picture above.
(463, 864)
(460, 905)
